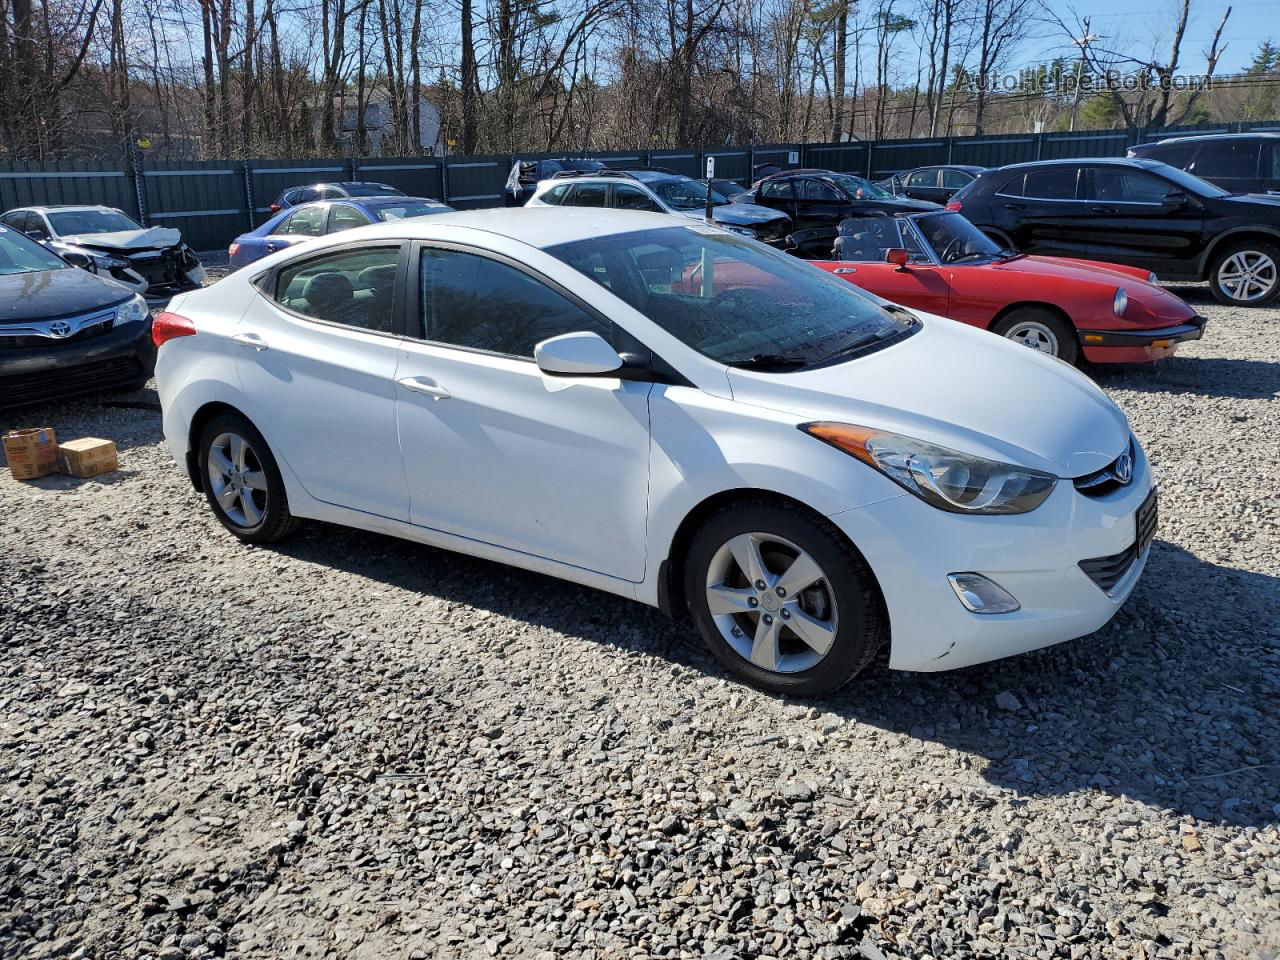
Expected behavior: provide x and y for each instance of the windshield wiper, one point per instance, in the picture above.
(768, 361)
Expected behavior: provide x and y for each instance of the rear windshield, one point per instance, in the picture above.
(734, 300)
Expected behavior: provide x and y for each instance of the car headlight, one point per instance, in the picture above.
(1120, 302)
(108, 263)
(134, 310)
(947, 479)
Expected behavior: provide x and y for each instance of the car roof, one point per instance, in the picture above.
(71, 206)
(1140, 162)
(653, 176)
(539, 227)
(1258, 135)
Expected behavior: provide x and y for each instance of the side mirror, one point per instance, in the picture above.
(581, 354)
(898, 256)
(1175, 199)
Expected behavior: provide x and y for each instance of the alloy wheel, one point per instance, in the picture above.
(237, 480)
(771, 602)
(1247, 275)
(1035, 335)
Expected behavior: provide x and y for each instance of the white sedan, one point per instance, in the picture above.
(674, 414)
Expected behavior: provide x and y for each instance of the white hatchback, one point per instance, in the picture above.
(674, 414)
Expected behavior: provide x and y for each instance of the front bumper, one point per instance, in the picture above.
(33, 374)
(912, 548)
(1137, 346)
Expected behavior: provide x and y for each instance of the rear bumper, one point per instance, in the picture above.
(31, 375)
(1137, 346)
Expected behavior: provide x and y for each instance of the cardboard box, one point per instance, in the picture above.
(31, 453)
(88, 457)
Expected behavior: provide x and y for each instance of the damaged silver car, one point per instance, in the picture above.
(152, 261)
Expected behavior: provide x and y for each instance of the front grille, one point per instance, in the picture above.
(1106, 572)
(30, 387)
(1114, 476)
(84, 333)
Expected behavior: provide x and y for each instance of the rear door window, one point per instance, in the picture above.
(627, 197)
(556, 194)
(355, 287)
(818, 192)
(343, 216)
(588, 195)
(776, 189)
(954, 179)
(923, 178)
(303, 223)
(1052, 183)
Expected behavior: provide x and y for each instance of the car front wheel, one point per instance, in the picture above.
(1040, 330)
(1246, 275)
(242, 482)
(782, 598)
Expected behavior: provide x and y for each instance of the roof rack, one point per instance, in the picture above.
(569, 174)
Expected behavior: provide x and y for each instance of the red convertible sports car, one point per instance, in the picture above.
(940, 263)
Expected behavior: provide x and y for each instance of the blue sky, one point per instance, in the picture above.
(1137, 21)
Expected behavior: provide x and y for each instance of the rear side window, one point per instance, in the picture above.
(1227, 159)
(953, 179)
(1053, 183)
(588, 195)
(483, 304)
(306, 195)
(923, 178)
(303, 223)
(1271, 161)
(355, 288)
(556, 194)
(343, 216)
(818, 191)
(776, 189)
(1174, 154)
(627, 197)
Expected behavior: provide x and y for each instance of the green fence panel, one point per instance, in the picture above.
(994, 151)
(893, 156)
(205, 200)
(1067, 146)
(476, 181)
(841, 157)
(413, 176)
(29, 184)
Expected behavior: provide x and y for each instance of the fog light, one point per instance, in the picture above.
(981, 595)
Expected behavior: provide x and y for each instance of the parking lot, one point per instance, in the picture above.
(354, 746)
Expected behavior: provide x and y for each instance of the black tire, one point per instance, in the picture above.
(860, 623)
(1250, 249)
(275, 521)
(1064, 335)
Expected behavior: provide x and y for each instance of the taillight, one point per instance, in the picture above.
(233, 249)
(275, 208)
(165, 326)
(953, 205)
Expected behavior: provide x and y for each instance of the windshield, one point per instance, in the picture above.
(734, 300)
(19, 254)
(860, 189)
(1189, 181)
(685, 193)
(71, 222)
(955, 240)
(406, 209)
(371, 190)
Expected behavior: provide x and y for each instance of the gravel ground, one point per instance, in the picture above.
(352, 746)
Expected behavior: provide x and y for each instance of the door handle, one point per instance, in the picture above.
(1015, 206)
(1102, 209)
(426, 386)
(250, 340)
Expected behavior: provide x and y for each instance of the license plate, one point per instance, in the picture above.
(1147, 519)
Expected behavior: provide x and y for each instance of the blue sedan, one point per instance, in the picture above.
(297, 224)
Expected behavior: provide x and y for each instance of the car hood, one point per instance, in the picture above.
(963, 388)
(738, 214)
(1268, 200)
(150, 238)
(1159, 303)
(49, 294)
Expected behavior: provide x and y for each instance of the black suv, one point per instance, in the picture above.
(822, 198)
(1239, 162)
(1136, 212)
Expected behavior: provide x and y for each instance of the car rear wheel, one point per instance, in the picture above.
(1040, 330)
(1246, 275)
(242, 482)
(782, 599)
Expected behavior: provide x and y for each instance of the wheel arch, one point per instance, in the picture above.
(199, 420)
(1229, 238)
(1035, 305)
(670, 587)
